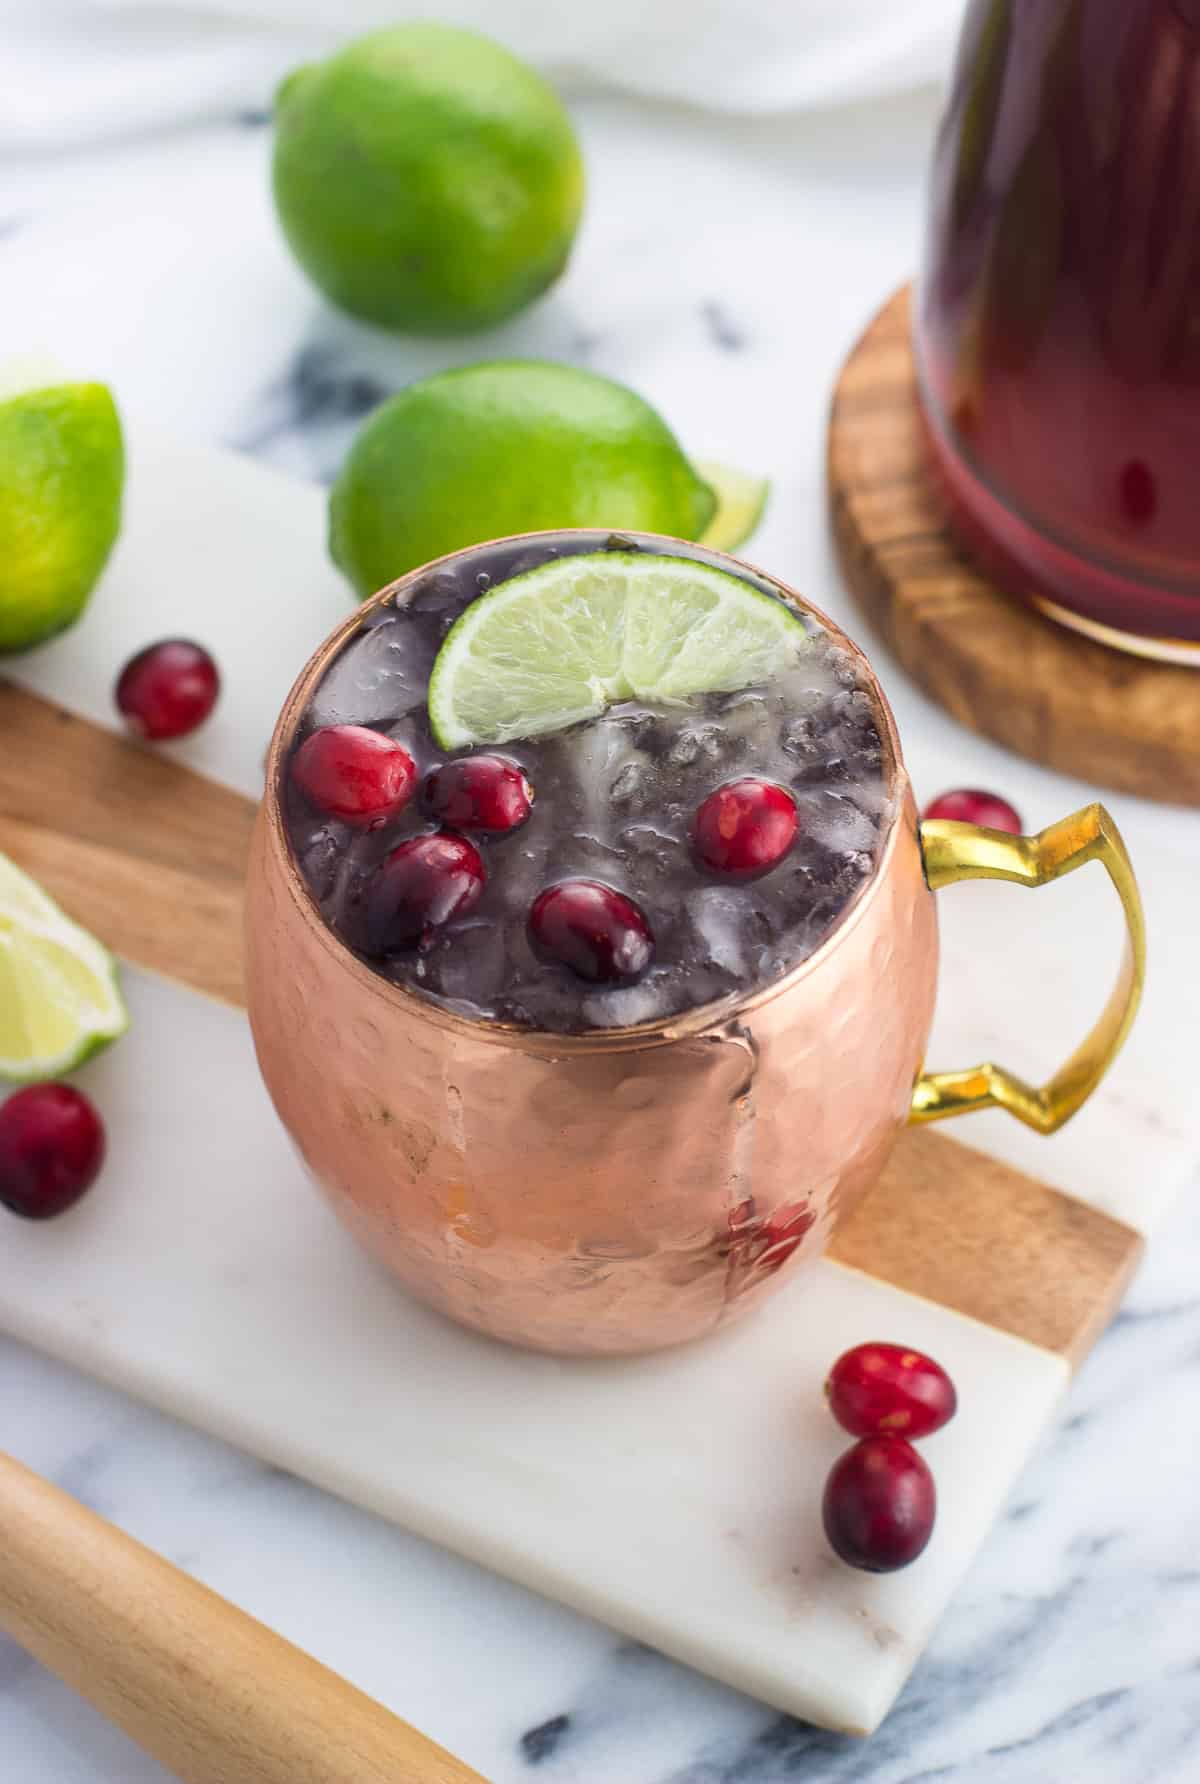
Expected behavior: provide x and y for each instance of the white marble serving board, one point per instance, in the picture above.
(675, 1497)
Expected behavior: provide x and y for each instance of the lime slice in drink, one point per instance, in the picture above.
(741, 500)
(562, 642)
(59, 998)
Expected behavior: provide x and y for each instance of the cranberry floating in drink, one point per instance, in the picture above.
(745, 828)
(1057, 336)
(424, 884)
(352, 773)
(600, 934)
(479, 793)
(681, 847)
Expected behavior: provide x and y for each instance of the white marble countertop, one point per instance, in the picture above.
(723, 270)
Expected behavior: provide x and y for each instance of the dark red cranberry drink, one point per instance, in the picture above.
(1058, 328)
(618, 871)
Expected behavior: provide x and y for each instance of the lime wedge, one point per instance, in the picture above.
(562, 642)
(59, 998)
(741, 501)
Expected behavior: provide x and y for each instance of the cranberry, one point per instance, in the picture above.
(879, 1505)
(970, 805)
(424, 883)
(877, 1388)
(600, 934)
(745, 828)
(479, 793)
(1138, 491)
(167, 689)
(354, 774)
(51, 1149)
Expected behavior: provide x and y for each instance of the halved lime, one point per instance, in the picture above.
(62, 470)
(741, 500)
(59, 998)
(562, 642)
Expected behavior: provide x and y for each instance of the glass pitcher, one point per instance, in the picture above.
(1058, 316)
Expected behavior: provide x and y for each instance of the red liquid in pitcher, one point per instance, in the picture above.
(1058, 328)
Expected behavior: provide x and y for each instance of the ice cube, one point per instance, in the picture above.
(851, 721)
(440, 592)
(467, 964)
(644, 842)
(820, 771)
(522, 868)
(381, 675)
(719, 917)
(359, 854)
(707, 742)
(600, 755)
(626, 1005)
(410, 730)
(837, 823)
(633, 785)
(743, 723)
(319, 861)
(799, 737)
(872, 796)
(684, 750)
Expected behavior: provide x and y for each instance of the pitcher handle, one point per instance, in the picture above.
(955, 851)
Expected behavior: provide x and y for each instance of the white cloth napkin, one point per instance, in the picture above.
(78, 70)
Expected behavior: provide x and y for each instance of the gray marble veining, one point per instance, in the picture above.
(1071, 1649)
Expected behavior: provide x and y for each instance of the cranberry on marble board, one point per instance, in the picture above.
(51, 1149)
(168, 689)
(879, 1505)
(879, 1389)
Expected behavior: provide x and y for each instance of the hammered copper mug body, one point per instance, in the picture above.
(627, 1189)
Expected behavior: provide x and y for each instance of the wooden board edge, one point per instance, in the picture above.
(961, 1228)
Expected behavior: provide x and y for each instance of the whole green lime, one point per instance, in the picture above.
(509, 446)
(62, 470)
(426, 179)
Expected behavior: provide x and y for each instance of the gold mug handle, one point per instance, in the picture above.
(955, 851)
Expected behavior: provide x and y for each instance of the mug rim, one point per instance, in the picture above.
(699, 1020)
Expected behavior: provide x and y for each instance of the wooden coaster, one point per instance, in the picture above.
(1000, 668)
(151, 856)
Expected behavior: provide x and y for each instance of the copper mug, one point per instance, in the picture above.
(627, 1189)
